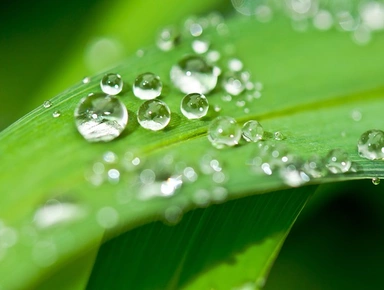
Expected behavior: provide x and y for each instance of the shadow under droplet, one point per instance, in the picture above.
(132, 125)
(175, 121)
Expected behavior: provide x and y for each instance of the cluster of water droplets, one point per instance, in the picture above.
(360, 18)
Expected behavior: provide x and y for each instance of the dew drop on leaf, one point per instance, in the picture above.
(224, 131)
(47, 104)
(147, 86)
(376, 181)
(193, 74)
(371, 145)
(194, 106)
(337, 161)
(252, 131)
(56, 114)
(100, 117)
(168, 38)
(154, 115)
(111, 84)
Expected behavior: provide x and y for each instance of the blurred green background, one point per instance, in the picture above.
(337, 241)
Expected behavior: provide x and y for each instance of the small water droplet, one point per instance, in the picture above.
(252, 131)
(113, 176)
(292, 174)
(100, 117)
(86, 80)
(234, 83)
(356, 115)
(111, 84)
(56, 114)
(347, 21)
(263, 13)
(201, 197)
(323, 20)
(213, 56)
(168, 38)
(55, 212)
(140, 53)
(154, 115)
(200, 46)
(224, 131)
(173, 214)
(235, 65)
(315, 167)
(219, 194)
(226, 98)
(196, 29)
(193, 74)
(216, 108)
(170, 185)
(337, 161)
(8, 237)
(278, 136)
(371, 145)
(47, 104)
(147, 86)
(376, 181)
(194, 106)
(44, 253)
(190, 174)
(107, 217)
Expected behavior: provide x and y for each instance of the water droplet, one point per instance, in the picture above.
(140, 53)
(278, 136)
(337, 161)
(195, 29)
(170, 185)
(55, 212)
(8, 236)
(113, 176)
(263, 13)
(201, 197)
(194, 106)
(200, 46)
(86, 80)
(147, 86)
(226, 98)
(44, 253)
(252, 131)
(315, 167)
(235, 64)
(269, 157)
(100, 117)
(47, 104)
(190, 174)
(323, 20)
(234, 83)
(224, 131)
(111, 84)
(292, 174)
(346, 21)
(107, 217)
(168, 38)
(219, 194)
(154, 115)
(56, 114)
(216, 108)
(193, 74)
(362, 35)
(371, 145)
(173, 214)
(376, 181)
(356, 115)
(213, 56)
(372, 15)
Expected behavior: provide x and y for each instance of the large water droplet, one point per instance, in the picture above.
(154, 115)
(193, 74)
(194, 106)
(100, 118)
(111, 84)
(337, 161)
(147, 86)
(224, 131)
(168, 38)
(252, 131)
(55, 212)
(371, 145)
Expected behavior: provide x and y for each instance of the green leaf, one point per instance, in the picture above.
(313, 81)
